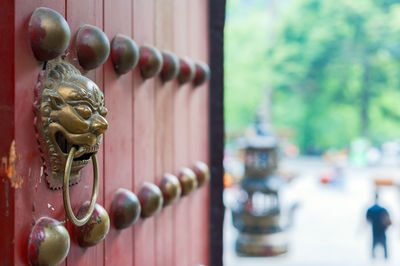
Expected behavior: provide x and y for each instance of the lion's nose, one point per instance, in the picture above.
(99, 124)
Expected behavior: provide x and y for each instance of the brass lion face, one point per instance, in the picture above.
(69, 112)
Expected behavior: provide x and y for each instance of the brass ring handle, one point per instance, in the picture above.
(95, 190)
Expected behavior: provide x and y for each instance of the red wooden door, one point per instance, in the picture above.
(155, 127)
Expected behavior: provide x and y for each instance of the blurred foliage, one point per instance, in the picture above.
(333, 67)
(245, 61)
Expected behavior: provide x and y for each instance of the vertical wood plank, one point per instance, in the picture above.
(182, 219)
(199, 129)
(118, 156)
(32, 197)
(143, 132)
(204, 145)
(77, 14)
(203, 142)
(195, 129)
(164, 136)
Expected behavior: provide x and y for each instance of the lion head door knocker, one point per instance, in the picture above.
(70, 120)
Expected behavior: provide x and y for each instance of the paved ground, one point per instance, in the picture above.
(329, 228)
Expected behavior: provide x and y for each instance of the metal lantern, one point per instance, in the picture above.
(256, 213)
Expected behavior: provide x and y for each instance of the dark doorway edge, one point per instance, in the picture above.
(216, 127)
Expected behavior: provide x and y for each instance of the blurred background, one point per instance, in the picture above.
(321, 79)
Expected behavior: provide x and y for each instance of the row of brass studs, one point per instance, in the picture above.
(49, 241)
(127, 207)
(50, 36)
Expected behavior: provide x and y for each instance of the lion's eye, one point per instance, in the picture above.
(57, 102)
(84, 111)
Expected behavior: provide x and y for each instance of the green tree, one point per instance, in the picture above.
(246, 41)
(333, 67)
(338, 59)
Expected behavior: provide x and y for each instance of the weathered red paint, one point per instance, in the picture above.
(40, 252)
(37, 32)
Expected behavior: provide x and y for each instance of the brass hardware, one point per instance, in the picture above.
(170, 188)
(95, 190)
(202, 73)
(49, 34)
(151, 199)
(150, 61)
(125, 208)
(124, 54)
(202, 173)
(49, 242)
(188, 181)
(170, 68)
(96, 229)
(70, 112)
(186, 71)
(92, 47)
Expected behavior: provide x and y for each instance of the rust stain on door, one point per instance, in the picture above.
(8, 165)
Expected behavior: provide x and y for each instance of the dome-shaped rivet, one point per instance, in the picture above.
(151, 199)
(202, 172)
(49, 34)
(124, 54)
(170, 188)
(96, 229)
(188, 181)
(202, 73)
(49, 242)
(125, 208)
(92, 47)
(150, 61)
(170, 68)
(186, 71)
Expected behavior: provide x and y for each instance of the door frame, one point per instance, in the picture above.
(216, 129)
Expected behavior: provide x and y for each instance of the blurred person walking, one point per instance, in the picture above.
(380, 220)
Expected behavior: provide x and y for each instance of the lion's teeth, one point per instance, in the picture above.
(87, 149)
(80, 151)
